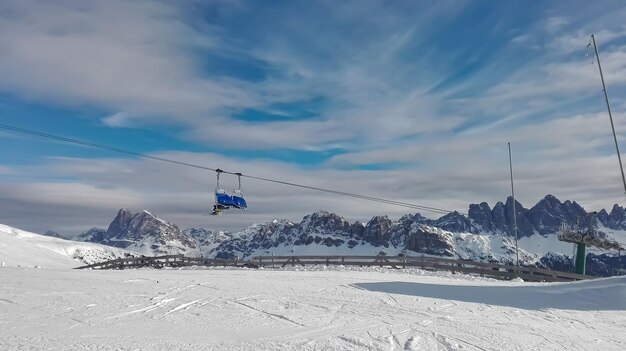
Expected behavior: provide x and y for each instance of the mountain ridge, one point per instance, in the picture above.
(484, 234)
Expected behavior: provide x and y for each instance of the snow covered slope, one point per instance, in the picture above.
(19, 248)
(334, 309)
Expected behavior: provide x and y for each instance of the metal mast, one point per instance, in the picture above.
(514, 213)
(608, 106)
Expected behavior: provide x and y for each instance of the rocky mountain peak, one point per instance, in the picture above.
(324, 232)
(121, 221)
(617, 212)
(416, 218)
(616, 219)
(454, 222)
(143, 232)
(324, 221)
(377, 230)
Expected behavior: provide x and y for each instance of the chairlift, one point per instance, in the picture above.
(237, 198)
(224, 201)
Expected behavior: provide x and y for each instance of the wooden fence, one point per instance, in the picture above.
(423, 262)
(426, 263)
(166, 261)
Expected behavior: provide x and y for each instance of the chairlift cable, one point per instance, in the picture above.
(238, 174)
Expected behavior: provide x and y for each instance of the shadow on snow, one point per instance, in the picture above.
(591, 295)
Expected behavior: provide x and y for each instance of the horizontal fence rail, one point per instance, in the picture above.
(493, 270)
(167, 261)
(426, 263)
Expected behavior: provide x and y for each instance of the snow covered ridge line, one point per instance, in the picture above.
(20, 248)
(319, 233)
(324, 233)
(423, 262)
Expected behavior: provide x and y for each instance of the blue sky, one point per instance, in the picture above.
(409, 100)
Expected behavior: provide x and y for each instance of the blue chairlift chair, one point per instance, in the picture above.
(224, 201)
(237, 198)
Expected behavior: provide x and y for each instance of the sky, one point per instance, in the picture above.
(405, 100)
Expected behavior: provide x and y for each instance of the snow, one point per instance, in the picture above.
(541, 245)
(295, 308)
(614, 234)
(19, 248)
(312, 309)
(463, 245)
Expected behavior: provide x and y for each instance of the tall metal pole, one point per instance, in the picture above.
(608, 106)
(514, 213)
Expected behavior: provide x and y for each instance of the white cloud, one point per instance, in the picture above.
(395, 98)
(448, 175)
(145, 66)
(72, 54)
(555, 24)
(119, 119)
(523, 39)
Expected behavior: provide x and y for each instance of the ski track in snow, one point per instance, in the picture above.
(230, 309)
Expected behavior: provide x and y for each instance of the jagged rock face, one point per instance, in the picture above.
(323, 221)
(524, 225)
(544, 218)
(549, 213)
(377, 231)
(614, 220)
(257, 237)
(416, 218)
(481, 217)
(199, 233)
(603, 218)
(427, 241)
(617, 215)
(120, 222)
(142, 232)
(207, 240)
(329, 230)
(499, 221)
(454, 222)
(135, 227)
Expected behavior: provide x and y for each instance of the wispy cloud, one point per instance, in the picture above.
(73, 54)
(431, 91)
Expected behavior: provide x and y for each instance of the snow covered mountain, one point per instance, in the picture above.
(329, 234)
(485, 234)
(544, 218)
(19, 248)
(143, 233)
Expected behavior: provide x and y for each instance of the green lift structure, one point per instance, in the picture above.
(586, 235)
